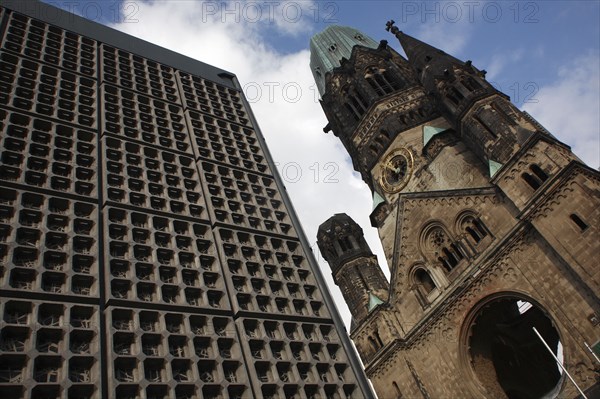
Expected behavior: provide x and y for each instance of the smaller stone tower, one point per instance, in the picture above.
(354, 267)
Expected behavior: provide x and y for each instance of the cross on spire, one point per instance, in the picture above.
(390, 27)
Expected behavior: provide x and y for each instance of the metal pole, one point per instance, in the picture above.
(559, 363)
(591, 351)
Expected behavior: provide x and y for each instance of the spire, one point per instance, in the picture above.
(328, 48)
(421, 54)
(427, 60)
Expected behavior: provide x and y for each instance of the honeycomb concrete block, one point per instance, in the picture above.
(37, 152)
(212, 99)
(50, 92)
(139, 74)
(51, 45)
(48, 348)
(175, 352)
(137, 117)
(153, 179)
(142, 226)
(268, 275)
(222, 141)
(244, 199)
(293, 358)
(156, 259)
(49, 244)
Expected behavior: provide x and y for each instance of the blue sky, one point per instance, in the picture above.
(524, 45)
(549, 32)
(543, 54)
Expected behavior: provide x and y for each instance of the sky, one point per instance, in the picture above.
(545, 55)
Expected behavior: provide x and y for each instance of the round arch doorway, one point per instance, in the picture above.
(507, 356)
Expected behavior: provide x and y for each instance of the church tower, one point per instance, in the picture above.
(489, 225)
(355, 268)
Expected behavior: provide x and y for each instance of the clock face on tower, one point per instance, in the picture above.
(396, 170)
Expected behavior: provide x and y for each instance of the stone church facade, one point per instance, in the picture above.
(488, 222)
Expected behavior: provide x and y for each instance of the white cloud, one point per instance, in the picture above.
(569, 107)
(451, 38)
(289, 16)
(499, 61)
(292, 120)
(314, 166)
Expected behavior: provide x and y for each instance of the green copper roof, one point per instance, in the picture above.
(377, 199)
(429, 132)
(329, 47)
(494, 167)
(374, 301)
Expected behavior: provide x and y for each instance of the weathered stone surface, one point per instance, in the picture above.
(476, 260)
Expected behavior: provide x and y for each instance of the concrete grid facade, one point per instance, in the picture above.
(147, 249)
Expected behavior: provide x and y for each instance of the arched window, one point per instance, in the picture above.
(383, 137)
(453, 99)
(382, 81)
(474, 228)
(397, 390)
(450, 258)
(539, 173)
(445, 263)
(355, 103)
(480, 227)
(537, 178)
(373, 344)
(378, 338)
(532, 181)
(352, 111)
(392, 79)
(457, 251)
(380, 140)
(457, 93)
(437, 245)
(446, 251)
(579, 222)
(374, 150)
(378, 90)
(424, 280)
(345, 244)
(470, 83)
(473, 234)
